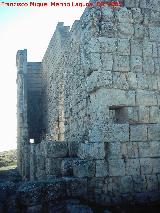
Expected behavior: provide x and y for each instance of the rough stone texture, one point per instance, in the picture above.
(92, 106)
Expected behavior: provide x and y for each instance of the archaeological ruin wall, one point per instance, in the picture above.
(92, 106)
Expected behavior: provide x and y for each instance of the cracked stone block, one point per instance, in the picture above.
(125, 30)
(144, 149)
(139, 183)
(107, 45)
(152, 182)
(154, 33)
(123, 15)
(136, 48)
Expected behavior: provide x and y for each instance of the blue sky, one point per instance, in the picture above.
(23, 28)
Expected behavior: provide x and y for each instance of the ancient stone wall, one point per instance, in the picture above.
(100, 105)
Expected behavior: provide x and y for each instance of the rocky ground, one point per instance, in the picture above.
(41, 197)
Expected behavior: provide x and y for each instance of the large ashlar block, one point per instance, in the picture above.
(139, 30)
(132, 150)
(144, 114)
(116, 167)
(107, 61)
(132, 167)
(142, 81)
(76, 187)
(99, 79)
(154, 114)
(93, 46)
(91, 151)
(139, 183)
(107, 45)
(147, 49)
(101, 168)
(154, 132)
(116, 132)
(123, 15)
(146, 98)
(53, 166)
(123, 47)
(113, 150)
(148, 65)
(156, 165)
(144, 149)
(83, 168)
(55, 149)
(95, 61)
(125, 30)
(113, 97)
(154, 33)
(107, 14)
(136, 63)
(136, 48)
(108, 29)
(132, 80)
(146, 166)
(121, 63)
(152, 182)
(120, 80)
(138, 132)
(126, 184)
(155, 149)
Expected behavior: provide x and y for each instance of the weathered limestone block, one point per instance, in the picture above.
(67, 166)
(113, 97)
(154, 132)
(76, 187)
(116, 167)
(55, 149)
(144, 149)
(55, 190)
(99, 79)
(142, 81)
(132, 167)
(113, 150)
(123, 47)
(73, 148)
(146, 166)
(154, 33)
(132, 114)
(155, 149)
(139, 183)
(107, 45)
(91, 151)
(121, 63)
(107, 14)
(152, 182)
(123, 15)
(108, 29)
(138, 132)
(107, 61)
(136, 64)
(120, 80)
(101, 168)
(95, 61)
(83, 168)
(139, 30)
(148, 65)
(137, 15)
(147, 48)
(136, 48)
(126, 184)
(132, 150)
(154, 114)
(53, 166)
(132, 80)
(144, 114)
(125, 30)
(156, 165)
(116, 132)
(146, 98)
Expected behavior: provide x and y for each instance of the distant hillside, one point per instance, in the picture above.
(8, 158)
